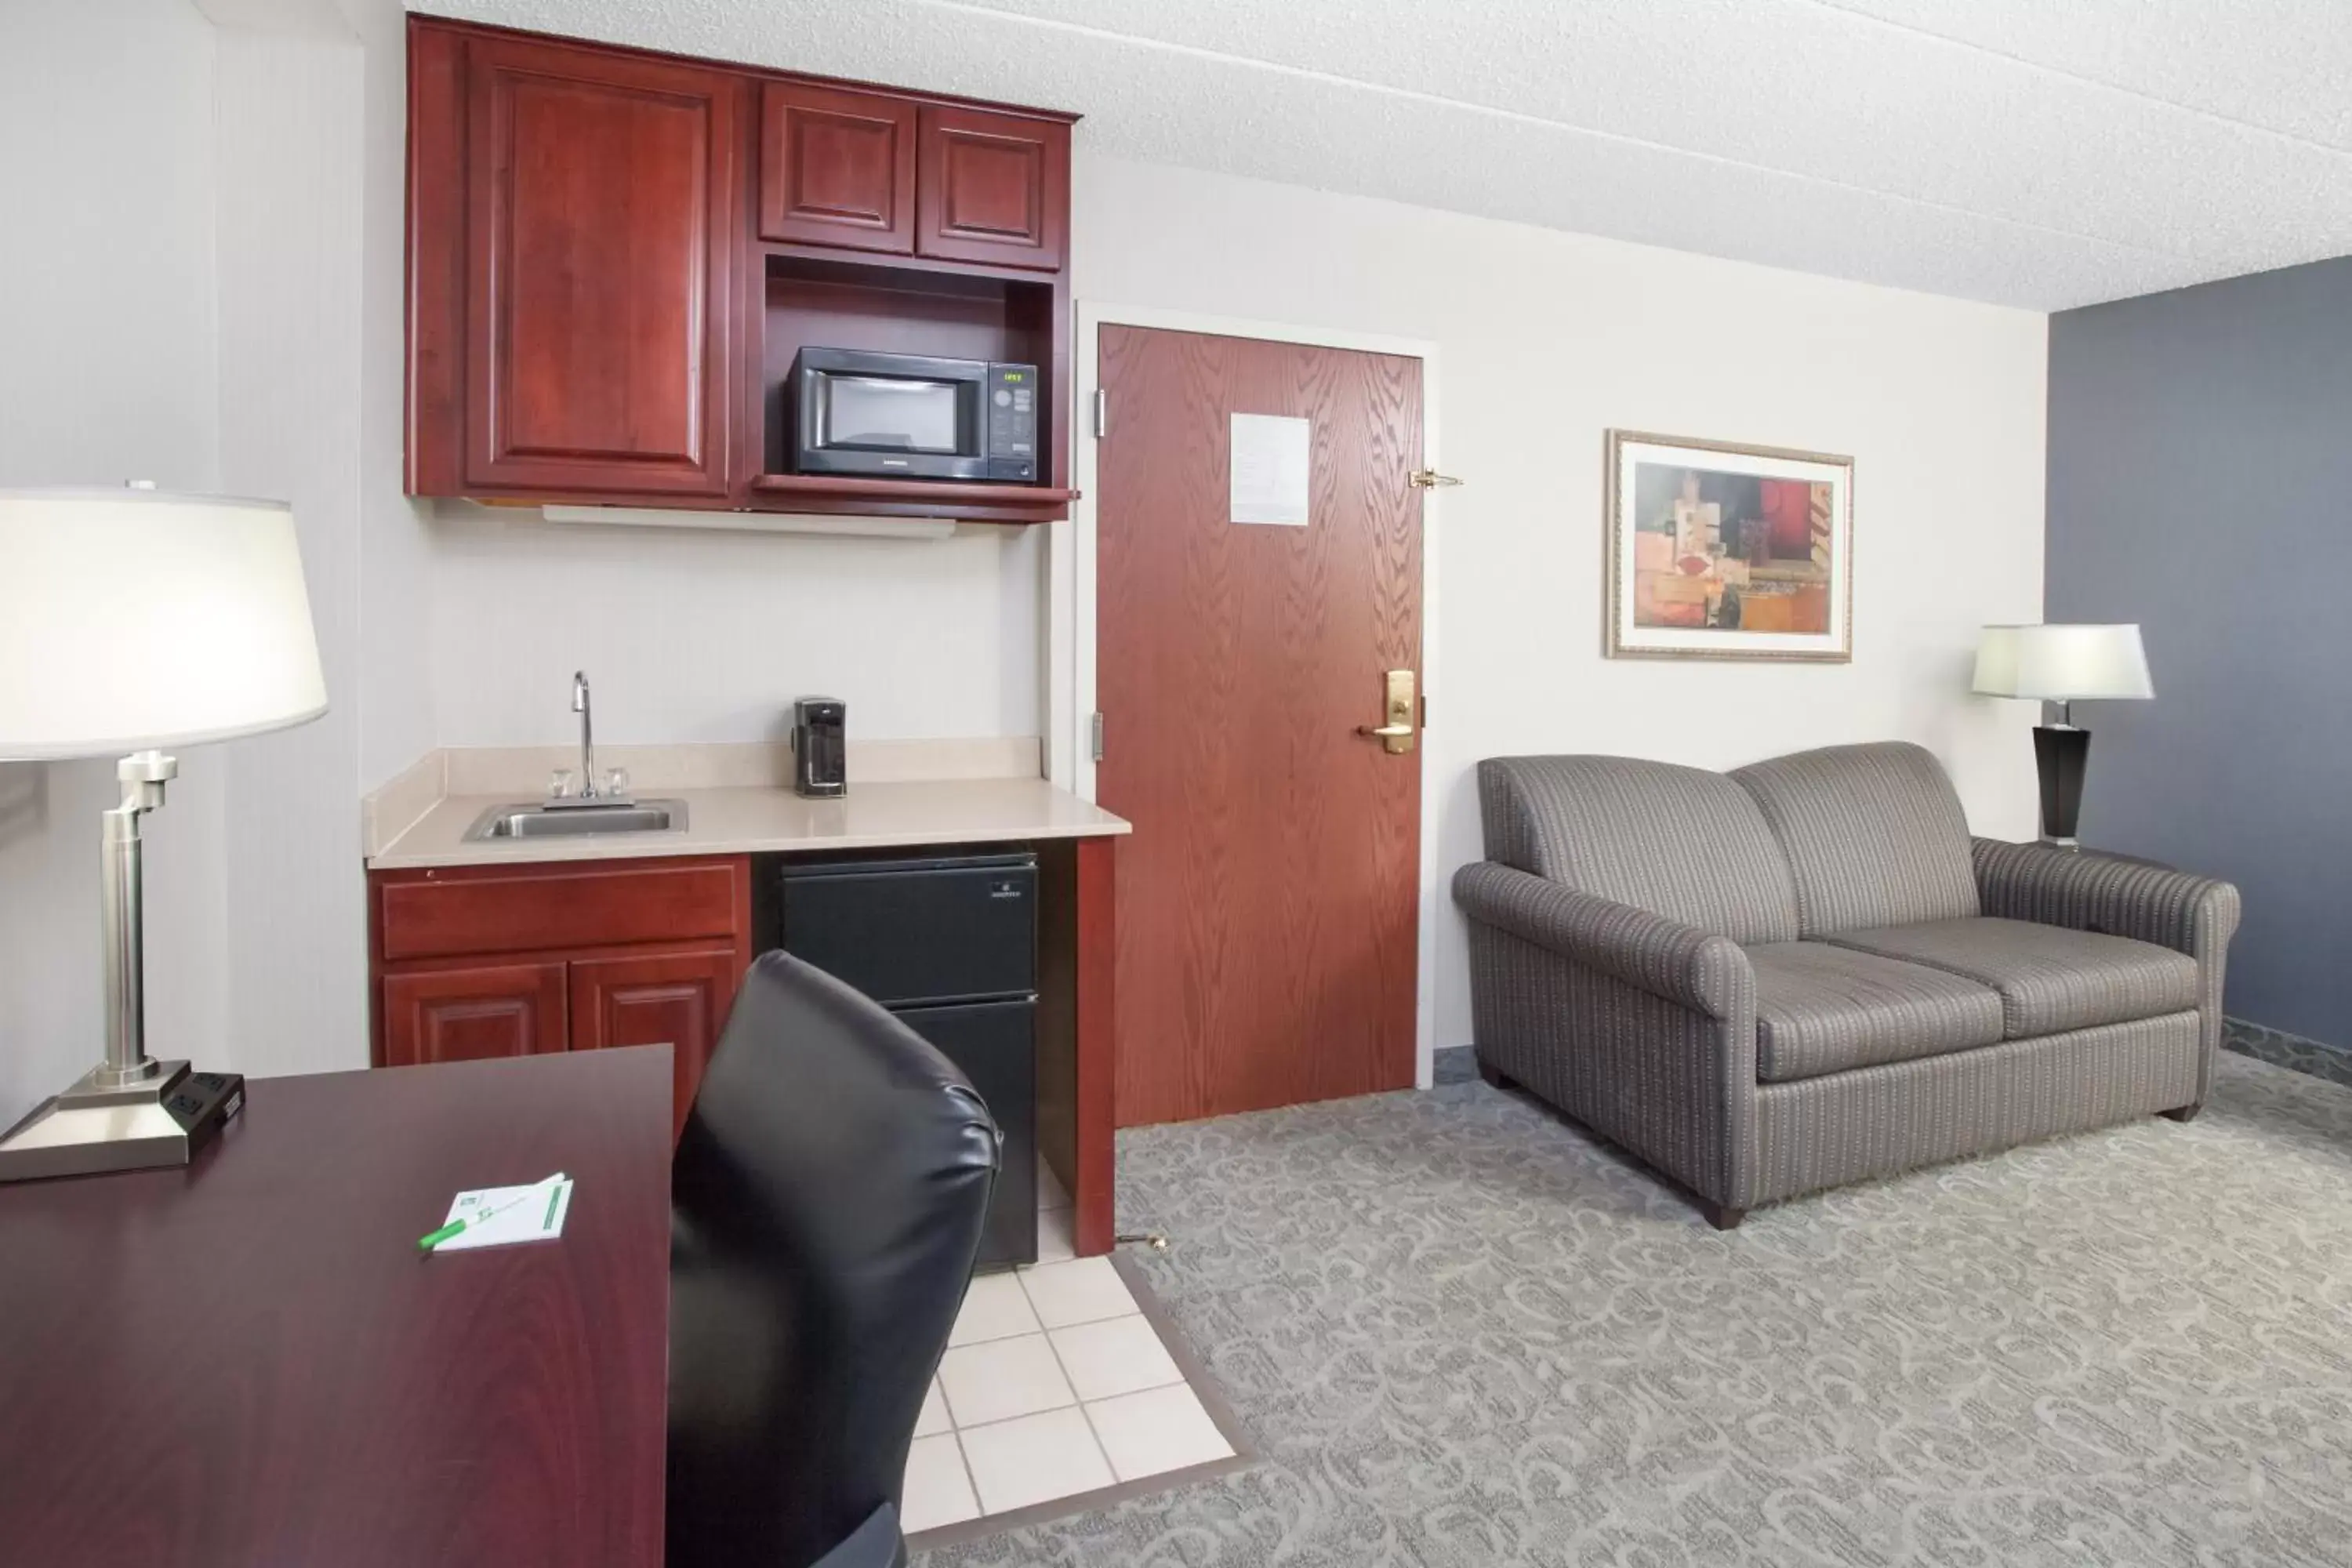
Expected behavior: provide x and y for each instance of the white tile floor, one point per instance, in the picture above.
(1053, 1383)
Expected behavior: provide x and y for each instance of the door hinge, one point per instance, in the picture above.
(1102, 413)
(1095, 736)
(1429, 480)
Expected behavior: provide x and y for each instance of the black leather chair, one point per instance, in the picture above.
(827, 1197)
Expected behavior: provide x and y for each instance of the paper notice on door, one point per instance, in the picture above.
(1269, 470)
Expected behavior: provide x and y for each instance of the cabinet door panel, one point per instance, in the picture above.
(679, 998)
(465, 1014)
(600, 234)
(992, 188)
(836, 168)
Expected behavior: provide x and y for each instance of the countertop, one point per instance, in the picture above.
(767, 819)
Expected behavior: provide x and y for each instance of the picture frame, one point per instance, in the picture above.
(1722, 549)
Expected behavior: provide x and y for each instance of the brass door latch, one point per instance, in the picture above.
(1396, 735)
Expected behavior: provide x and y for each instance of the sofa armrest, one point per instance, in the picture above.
(2195, 915)
(1678, 962)
(1640, 1027)
(2190, 914)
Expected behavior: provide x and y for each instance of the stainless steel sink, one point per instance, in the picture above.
(575, 821)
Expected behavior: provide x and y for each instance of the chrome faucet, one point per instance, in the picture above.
(595, 789)
(580, 705)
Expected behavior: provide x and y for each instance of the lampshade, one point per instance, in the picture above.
(2062, 663)
(134, 618)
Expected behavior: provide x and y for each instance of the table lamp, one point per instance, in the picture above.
(133, 620)
(2065, 665)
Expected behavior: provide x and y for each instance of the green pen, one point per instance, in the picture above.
(550, 1185)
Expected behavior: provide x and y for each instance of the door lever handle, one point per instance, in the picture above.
(1396, 736)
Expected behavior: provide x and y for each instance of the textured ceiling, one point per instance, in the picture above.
(2036, 153)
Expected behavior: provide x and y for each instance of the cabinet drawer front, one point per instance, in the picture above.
(538, 909)
(914, 936)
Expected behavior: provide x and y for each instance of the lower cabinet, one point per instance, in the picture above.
(619, 953)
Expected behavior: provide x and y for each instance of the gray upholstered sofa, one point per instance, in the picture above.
(1806, 973)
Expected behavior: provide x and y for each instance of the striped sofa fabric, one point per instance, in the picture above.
(1807, 973)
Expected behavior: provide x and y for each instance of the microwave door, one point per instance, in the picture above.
(884, 413)
(887, 416)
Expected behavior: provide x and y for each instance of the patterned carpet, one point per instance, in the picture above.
(1461, 1332)
(2281, 1048)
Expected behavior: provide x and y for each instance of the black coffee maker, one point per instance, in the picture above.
(820, 745)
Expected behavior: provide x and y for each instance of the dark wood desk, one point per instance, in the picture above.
(246, 1362)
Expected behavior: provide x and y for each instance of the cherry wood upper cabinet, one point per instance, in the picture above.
(992, 188)
(837, 167)
(598, 254)
(597, 204)
(614, 256)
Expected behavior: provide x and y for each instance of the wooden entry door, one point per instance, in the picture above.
(1267, 903)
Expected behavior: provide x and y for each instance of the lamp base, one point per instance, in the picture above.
(93, 1127)
(2060, 754)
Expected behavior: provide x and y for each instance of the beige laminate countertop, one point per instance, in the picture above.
(767, 819)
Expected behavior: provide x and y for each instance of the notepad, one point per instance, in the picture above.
(537, 1221)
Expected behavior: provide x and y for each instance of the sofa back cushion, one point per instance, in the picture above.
(1678, 842)
(1874, 834)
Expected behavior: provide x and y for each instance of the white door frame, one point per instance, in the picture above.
(1070, 583)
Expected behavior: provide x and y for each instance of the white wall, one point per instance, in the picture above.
(108, 371)
(394, 678)
(692, 636)
(288, 216)
(1546, 339)
(216, 283)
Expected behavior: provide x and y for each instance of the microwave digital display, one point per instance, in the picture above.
(849, 411)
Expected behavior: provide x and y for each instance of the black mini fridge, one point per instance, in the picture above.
(949, 944)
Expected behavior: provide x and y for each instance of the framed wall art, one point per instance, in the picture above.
(1720, 551)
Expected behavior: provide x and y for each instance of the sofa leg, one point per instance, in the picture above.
(1494, 1075)
(2183, 1112)
(1721, 1215)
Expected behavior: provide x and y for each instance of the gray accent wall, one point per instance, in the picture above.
(2200, 483)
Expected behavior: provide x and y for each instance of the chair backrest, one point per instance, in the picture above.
(1873, 833)
(1679, 842)
(826, 1202)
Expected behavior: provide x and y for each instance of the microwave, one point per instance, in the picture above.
(909, 416)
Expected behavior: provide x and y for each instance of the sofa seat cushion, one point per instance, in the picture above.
(2050, 978)
(1823, 1009)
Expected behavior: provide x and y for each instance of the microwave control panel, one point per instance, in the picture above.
(1012, 422)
